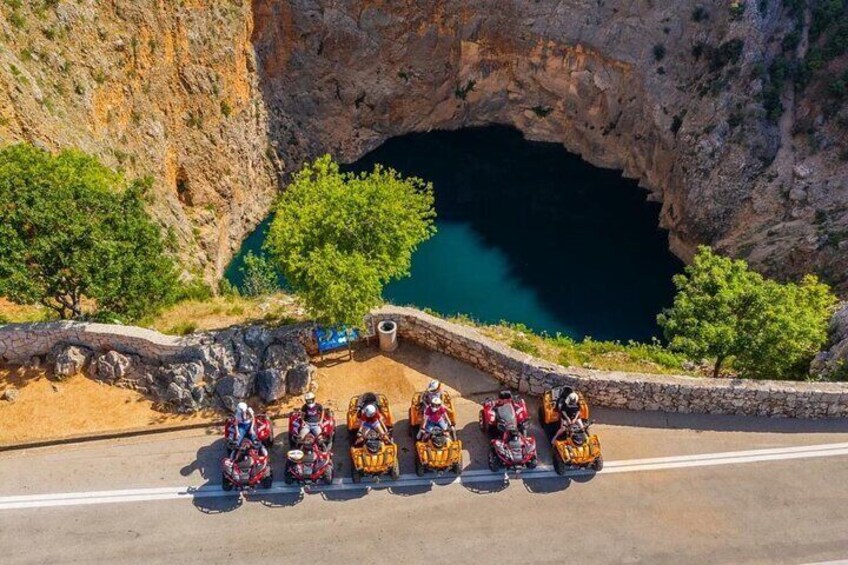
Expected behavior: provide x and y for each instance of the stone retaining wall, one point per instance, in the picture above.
(619, 389)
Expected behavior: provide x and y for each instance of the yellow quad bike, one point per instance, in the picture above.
(578, 450)
(374, 458)
(439, 452)
(416, 411)
(357, 403)
(549, 414)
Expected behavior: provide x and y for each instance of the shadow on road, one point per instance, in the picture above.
(217, 504)
(547, 485)
(344, 495)
(487, 487)
(276, 500)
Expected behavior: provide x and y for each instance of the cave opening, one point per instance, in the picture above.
(527, 233)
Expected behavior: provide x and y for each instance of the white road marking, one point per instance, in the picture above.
(468, 477)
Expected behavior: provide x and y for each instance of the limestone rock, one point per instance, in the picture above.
(284, 355)
(299, 378)
(271, 384)
(234, 388)
(111, 366)
(70, 361)
(11, 394)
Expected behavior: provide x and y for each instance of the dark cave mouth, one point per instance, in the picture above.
(528, 233)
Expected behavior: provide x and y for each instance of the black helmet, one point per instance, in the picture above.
(505, 395)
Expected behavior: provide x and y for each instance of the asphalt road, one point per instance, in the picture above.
(779, 502)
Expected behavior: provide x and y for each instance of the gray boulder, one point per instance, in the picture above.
(284, 355)
(71, 360)
(271, 384)
(299, 378)
(234, 388)
(111, 366)
(183, 374)
(248, 357)
(257, 337)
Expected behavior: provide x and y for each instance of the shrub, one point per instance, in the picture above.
(700, 14)
(659, 52)
(260, 277)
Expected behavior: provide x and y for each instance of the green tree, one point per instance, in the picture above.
(259, 274)
(724, 311)
(340, 237)
(74, 233)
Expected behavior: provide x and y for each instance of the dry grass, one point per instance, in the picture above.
(15, 313)
(48, 409)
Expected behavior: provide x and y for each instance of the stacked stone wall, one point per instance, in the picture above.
(619, 389)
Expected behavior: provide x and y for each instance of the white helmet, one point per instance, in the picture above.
(241, 408)
(309, 397)
(434, 386)
(572, 399)
(295, 455)
(370, 410)
(436, 401)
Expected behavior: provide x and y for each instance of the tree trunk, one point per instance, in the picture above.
(717, 368)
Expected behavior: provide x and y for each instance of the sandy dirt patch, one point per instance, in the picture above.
(48, 409)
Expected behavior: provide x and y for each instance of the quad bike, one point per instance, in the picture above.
(264, 432)
(416, 411)
(577, 450)
(513, 451)
(438, 451)
(310, 465)
(550, 413)
(374, 456)
(497, 415)
(246, 468)
(325, 437)
(357, 403)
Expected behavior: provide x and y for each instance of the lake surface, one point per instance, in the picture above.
(528, 233)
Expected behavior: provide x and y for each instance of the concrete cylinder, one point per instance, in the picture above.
(387, 332)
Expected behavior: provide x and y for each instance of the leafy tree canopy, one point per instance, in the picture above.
(74, 232)
(724, 311)
(260, 277)
(340, 237)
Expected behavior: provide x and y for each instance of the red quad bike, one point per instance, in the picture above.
(504, 412)
(264, 432)
(513, 451)
(309, 466)
(246, 468)
(325, 437)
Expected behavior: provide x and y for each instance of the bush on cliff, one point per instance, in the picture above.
(340, 237)
(725, 312)
(75, 233)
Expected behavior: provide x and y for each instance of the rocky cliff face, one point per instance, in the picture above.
(153, 87)
(671, 93)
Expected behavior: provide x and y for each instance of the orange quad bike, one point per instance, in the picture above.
(374, 456)
(578, 449)
(357, 403)
(438, 451)
(416, 411)
(549, 412)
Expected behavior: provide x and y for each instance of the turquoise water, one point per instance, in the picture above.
(528, 233)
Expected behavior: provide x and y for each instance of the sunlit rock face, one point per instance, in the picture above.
(220, 101)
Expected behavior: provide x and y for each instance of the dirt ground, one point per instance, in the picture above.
(48, 409)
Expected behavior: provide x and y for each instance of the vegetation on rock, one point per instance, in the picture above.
(338, 238)
(725, 312)
(75, 233)
(260, 277)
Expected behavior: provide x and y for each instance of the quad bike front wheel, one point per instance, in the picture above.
(394, 473)
(457, 468)
(598, 464)
(419, 468)
(481, 421)
(356, 476)
(267, 481)
(494, 461)
(559, 466)
(288, 478)
(226, 484)
(533, 463)
(327, 476)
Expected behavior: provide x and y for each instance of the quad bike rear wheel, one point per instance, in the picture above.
(481, 421)
(288, 478)
(598, 464)
(226, 484)
(533, 463)
(419, 468)
(457, 468)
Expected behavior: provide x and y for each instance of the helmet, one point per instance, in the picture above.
(434, 386)
(295, 455)
(505, 395)
(436, 401)
(572, 400)
(370, 410)
(309, 397)
(241, 408)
